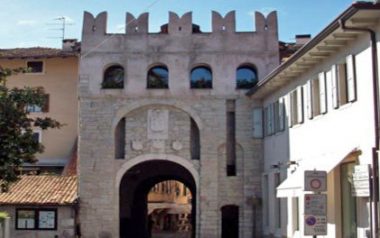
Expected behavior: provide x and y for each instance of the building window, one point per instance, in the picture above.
(231, 138)
(274, 117)
(158, 77)
(195, 140)
(36, 219)
(120, 139)
(246, 77)
(35, 66)
(269, 119)
(316, 93)
(37, 136)
(344, 82)
(113, 77)
(257, 130)
(296, 106)
(201, 77)
(39, 108)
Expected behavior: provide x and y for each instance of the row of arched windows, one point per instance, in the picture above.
(200, 77)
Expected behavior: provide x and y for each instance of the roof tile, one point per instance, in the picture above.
(41, 190)
(35, 52)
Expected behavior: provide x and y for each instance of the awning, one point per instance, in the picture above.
(294, 185)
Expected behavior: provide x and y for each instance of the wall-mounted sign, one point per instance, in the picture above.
(315, 219)
(315, 181)
(360, 181)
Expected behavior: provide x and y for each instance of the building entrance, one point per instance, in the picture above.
(157, 199)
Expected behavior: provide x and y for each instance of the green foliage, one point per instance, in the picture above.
(3, 215)
(16, 128)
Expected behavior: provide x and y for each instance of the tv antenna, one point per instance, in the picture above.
(62, 23)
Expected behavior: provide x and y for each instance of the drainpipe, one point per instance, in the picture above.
(375, 150)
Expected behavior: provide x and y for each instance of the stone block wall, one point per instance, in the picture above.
(224, 50)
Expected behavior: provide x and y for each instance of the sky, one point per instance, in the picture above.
(28, 23)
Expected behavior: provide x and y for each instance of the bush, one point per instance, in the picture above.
(3, 215)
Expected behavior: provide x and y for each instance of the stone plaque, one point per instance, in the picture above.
(158, 124)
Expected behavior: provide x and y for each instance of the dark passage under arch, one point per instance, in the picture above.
(134, 188)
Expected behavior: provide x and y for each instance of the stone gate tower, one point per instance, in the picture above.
(171, 105)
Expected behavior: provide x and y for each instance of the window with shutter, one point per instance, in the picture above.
(344, 82)
(37, 108)
(45, 107)
(293, 108)
(257, 130)
(315, 91)
(276, 117)
(300, 115)
(309, 99)
(351, 79)
(271, 119)
(322, 93)
(334, 87)
(281, 114)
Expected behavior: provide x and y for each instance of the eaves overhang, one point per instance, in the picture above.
(327, 42)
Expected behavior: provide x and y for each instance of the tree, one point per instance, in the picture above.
(17, 145)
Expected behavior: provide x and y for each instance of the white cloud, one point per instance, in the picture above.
(26, 22)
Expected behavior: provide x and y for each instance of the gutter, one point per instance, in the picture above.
(313, 42)
(376, 102)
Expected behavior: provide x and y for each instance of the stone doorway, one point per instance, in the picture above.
(138, 215)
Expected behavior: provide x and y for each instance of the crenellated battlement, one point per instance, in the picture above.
(136, 25)
(223, 24)
(177, 25)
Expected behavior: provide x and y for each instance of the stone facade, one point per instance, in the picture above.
(223, 50)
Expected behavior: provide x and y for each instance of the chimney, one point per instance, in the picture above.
(69, 44)
(302, 39)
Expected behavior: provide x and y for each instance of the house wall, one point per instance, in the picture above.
(65, 223)
(101, 109)
(59, 81)
(336, 133)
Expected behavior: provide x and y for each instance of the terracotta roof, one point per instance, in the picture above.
(41, 190)
(35, 52)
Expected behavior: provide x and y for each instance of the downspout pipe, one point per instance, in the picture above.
(376, 102)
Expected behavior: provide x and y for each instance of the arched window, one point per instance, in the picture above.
(201, 77)
(158, 77)
(113, 77)
(246, 77)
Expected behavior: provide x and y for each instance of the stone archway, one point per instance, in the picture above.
(134, 186)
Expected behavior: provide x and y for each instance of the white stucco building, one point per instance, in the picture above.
(320, 113)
